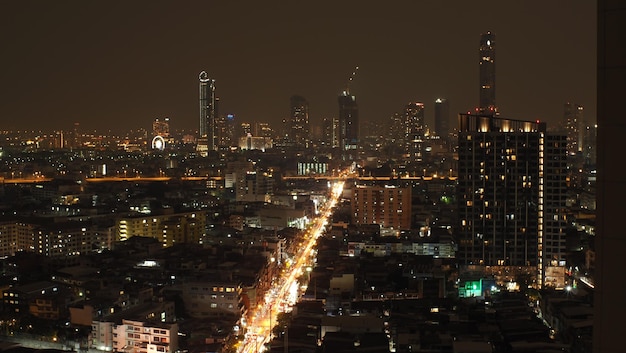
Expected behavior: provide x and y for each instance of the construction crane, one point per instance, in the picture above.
(350, 79)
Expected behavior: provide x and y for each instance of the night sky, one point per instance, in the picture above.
(117, 65)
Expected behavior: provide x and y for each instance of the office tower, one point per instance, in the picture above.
(610, 240)
(414, 136)
(206, 138)
(511, 194)
(298, 126)
(442, 117)
(263, 130)
(244, 129)
(225, 130)
(397, 129)
(487, 74)
(328, 133)
(573, 116)
(590, 141)
(387, 205)
(348, 125)
(161, 127)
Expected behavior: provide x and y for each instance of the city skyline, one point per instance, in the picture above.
(120, 66)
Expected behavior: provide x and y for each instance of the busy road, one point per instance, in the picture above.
(286, 289)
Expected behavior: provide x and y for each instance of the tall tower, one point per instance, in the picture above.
(414, 136)
(512, 194)
(487, 74)
(575, 127)
(348, 125)
(206, 138)
(442, 117)
(299, 129)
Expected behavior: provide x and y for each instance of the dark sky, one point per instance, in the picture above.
(120, 64)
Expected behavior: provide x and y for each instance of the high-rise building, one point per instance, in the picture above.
(206, 138)
(298, 126)
(415, 128)
(573, 117)
(263, 130)
(348, 125)
(329, 136)
(245, 129)
(512, 196)
(590, 143)
(225, 130)
(442, 117)
(387, 205)
(487, 74)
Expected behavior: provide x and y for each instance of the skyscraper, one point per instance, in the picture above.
(298, 129)
(442, 117)
(487, 74)
(348, 125)
(206, 138)
(512, 194)
(414, 137)
(329, 132)
(575, 127)
(225, 130)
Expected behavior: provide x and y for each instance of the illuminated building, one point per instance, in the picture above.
(263, 130)
(143, 337)
(575, 127)
(168, 229)
(397, 129)
(161, 127)
(442, 117)
(312, 168)
(225, 130)
(206, 138)
(208, 299)
(512, 194)
(298, 129)
(245, 129)
(250, 142)
(348, 125)
(487, 74)
(389, 206)
(414, 135)
(330, 131)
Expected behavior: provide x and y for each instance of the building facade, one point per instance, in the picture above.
(414, 133)
(206, 132)
(573, 118)
(442, 117)
(389, 206)
(348, 125)
(168, 229)
(487, 74)
(511, 194)
(299, 129)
